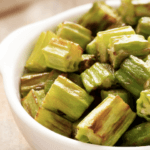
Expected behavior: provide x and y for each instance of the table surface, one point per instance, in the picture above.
(20, 15)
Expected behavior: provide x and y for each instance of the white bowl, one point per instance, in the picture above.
(14, 51)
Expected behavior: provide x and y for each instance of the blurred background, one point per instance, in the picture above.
(13, 15)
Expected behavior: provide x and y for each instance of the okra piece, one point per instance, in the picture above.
(97, 76)
(125, 95)
(75, 33)
(132, 10)
(137, 136)
(87, 61)
(147, 60)
(105, 124)
(36, 61)
(54, 122)
(91, 47)
(101, 41)
(62, 55)
(134, 75)
(67, 99)
(33, 101)
(52, 77)
(143, 105)
(120, 47)
(126, 10)
(34, 81)
(143, 27)
(99, 17)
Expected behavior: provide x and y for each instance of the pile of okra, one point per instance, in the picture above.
(90, 80)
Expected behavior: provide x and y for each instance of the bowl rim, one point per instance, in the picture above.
(12, 93)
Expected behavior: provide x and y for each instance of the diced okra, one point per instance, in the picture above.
(134, 75)
(132, 10)
(50, 80)
(62, 55)
(105, 124)
(99, 17)
(125, 95)
(33, 101)
(54, 122)
(100, 44)
(34, 81)
(97, 76)
(120, 47)
(143, 27)
(143, 105)
(87, 61)
(67, 99)
(75, 33)
(137, 136)
(36, 61)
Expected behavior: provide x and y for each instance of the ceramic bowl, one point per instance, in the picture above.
(14, 51)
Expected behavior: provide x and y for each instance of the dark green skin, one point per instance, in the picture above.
(137, 136)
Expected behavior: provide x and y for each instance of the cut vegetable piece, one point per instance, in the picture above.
(36, 61)
(62, 55)
(137, 136)
(67, 99)
(91, 47)
(86, 62)
(132, 10)
(120, 47)
(75, 33)
(54, 122)
(50, 80)
(134, 75)
(143, 27)
(143, 105)
(34, 81)
(97, 76)
(125, 95)
(126, 10)
(99, 17)
(101, 42)
(106, 123)
(33, 101)
(128, 82)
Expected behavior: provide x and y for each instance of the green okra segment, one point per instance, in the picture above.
(99, 17)
(125, 95)
(33, 101)
(34, 81)
(120, 47)
(100, 44)
(97, 76)
(137, 136)
(143, 27)
(132, 10)
(52, 77)
(54, 122)
(143, 105)
(75, 33)
(36, 61)
(105, 124)
(87, 61)
(67, 99)
(134, 75)
(62, 55)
